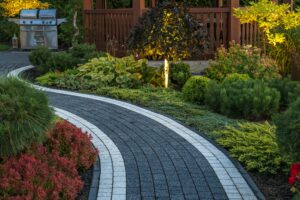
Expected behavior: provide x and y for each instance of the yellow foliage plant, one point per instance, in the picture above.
(271, 18)
(12, 7)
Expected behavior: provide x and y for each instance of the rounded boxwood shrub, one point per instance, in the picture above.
(24, 116)
(180, 73)
(195, 88)
(288, 131)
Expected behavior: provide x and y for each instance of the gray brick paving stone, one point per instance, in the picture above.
(159, 163)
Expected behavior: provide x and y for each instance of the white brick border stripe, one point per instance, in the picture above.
(113, 177)
(231, 179)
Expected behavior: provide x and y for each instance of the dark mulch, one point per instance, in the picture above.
(87, 178)
(274, 187)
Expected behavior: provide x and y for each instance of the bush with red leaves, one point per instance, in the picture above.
(26, 177)
(294, 179)
(49, 171)
(69, 141)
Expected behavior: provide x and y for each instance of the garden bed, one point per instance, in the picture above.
(170, 102)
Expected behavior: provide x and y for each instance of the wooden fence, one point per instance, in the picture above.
(110, 28)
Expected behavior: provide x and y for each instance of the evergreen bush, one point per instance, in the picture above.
(254, 145)
(195, 89)
(243, 98)
(180, 73)
(288, 132)
(24, 116)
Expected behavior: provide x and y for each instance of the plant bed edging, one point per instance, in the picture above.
(102, 188)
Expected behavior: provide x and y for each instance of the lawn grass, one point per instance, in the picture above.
(4, 47)
(170, 102)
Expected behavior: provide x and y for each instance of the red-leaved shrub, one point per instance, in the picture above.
(68, 141)
(26, 177)
(294, 179)
(49, 171)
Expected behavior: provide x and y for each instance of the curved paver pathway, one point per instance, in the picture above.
(163, 159)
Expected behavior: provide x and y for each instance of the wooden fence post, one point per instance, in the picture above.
(138, 7)
(234, 23)
(87, 4)
(101, 4)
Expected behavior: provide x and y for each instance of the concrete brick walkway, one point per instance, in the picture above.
(162, 158)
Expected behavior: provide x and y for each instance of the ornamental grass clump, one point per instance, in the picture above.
(24, 116)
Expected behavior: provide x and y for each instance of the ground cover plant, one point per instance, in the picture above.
(258, 150)
(4, 47)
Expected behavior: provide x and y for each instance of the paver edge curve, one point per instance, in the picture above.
(229, 176)
(100, 140)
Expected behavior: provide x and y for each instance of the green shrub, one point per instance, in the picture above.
(59, 61)
(104, 71)
(46, 61)
(288, 129)
(254, 145)
(39, 57)
(110, 71)
(179, 73)
(212, 95)
(289, 90)
(84, 52)
(24, 116)
(250, 99)
(152, 76)
(242, 60)
(195, 89)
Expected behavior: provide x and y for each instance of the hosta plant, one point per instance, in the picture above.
(111, 71)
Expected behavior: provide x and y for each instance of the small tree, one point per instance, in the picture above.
(12, 7)
(166, 32)
(280, 26)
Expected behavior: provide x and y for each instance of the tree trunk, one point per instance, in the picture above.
(76, 29)
(295, 71)
(167, 69)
